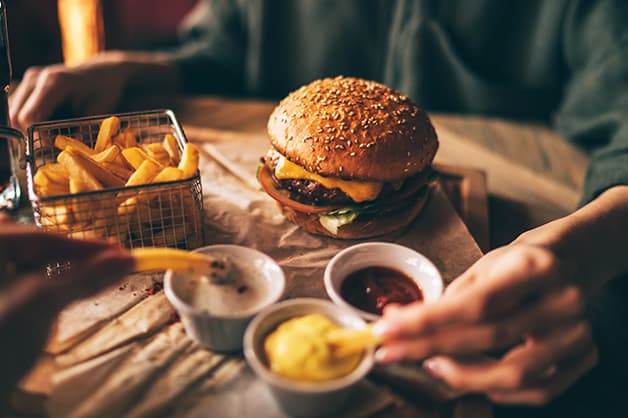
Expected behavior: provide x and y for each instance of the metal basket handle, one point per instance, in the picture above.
(16, 141)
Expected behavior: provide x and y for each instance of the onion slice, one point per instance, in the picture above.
(268, 184)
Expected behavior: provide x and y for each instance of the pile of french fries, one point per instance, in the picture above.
(145, 216)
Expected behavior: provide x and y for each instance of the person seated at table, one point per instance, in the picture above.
(560, 62)
(30, 301)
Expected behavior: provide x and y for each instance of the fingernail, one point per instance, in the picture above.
(433, 366)
(386, 355)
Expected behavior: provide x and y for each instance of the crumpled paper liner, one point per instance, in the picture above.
(237, 212)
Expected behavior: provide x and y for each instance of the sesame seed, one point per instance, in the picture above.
(340, 169)
(352, 154)
(339, 146)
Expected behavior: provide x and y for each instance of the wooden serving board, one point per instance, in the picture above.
(466, 189)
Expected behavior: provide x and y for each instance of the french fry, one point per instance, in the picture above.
(144, 174)
(135, 156)
(62, 142)
(91, 233)
(108, 128)
(189, 161)
(159, 153)
(125, 139)
(50, 189)
(82, 209)
(169, 236)
(50, 181)
(78, 170)
(56, 173)
(347, 341)
(121, 172)
(58, 218)
(168, 174)
(109, 154)
(172, 147)
(87, 163)
(152, 259)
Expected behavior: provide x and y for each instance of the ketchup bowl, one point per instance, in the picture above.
(366, 277)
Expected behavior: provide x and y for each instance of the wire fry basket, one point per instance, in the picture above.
(157, 214)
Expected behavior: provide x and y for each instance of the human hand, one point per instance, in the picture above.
(88, 89)
(30, 300)
(520, 298)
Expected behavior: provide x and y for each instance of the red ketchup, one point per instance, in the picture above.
(372, 288)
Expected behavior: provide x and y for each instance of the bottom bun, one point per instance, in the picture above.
(362, 227)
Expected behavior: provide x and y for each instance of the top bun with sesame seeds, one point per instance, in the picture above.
(350, 158)
(353, 129)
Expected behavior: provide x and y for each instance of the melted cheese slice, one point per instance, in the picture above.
(359, 191)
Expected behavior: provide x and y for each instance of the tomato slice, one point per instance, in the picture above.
(268, 184)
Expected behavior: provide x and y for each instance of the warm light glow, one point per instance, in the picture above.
(81, 29)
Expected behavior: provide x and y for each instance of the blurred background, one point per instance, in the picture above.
(35, 32)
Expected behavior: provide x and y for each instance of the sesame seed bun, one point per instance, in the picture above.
(353, 129)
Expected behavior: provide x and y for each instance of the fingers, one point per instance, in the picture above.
(547, 390)
(39, 94)
(96, 273)
(30, 248)
(53, 86)
(525, 370)
(555, 309)
(21, 94)
(501, 283)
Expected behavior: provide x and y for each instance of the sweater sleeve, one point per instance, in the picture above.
(210, 57)
(594, 112)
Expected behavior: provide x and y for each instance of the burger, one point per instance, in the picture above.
(349, 158)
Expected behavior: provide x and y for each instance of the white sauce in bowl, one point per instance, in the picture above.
(245, 290)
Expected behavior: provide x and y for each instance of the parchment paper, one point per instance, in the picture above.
(237, 212)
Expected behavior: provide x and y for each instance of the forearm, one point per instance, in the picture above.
(591, 241)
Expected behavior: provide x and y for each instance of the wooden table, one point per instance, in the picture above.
(531, 176)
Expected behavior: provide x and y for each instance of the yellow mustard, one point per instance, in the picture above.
(298, 350)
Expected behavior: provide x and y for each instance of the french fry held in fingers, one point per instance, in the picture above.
(157, 259)
(349, 341)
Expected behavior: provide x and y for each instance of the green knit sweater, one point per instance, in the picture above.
(559, 61)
